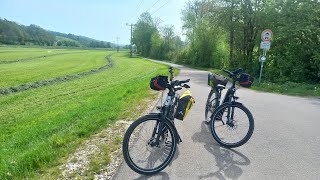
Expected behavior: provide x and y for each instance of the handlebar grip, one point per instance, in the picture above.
(238, 71)
(228, 72)
(185, 81)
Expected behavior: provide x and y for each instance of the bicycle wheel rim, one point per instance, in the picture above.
(142, 156)
(238, 132)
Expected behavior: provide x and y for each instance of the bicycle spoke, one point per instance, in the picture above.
(144, 151)
(234, 130)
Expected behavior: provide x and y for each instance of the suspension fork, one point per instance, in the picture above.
(231, 98)
(218, 97)
(158, 130)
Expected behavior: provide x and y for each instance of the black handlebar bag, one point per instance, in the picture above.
(159, 83)
(216, 79)
(245, 80)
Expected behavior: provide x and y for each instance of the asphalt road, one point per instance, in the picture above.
(285, 143)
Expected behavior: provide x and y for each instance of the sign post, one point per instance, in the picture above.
(265, 44)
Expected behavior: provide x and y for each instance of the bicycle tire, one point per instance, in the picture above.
(126, 152)
(218, 116)
(210, 107)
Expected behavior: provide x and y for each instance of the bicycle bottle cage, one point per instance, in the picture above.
(159, 83)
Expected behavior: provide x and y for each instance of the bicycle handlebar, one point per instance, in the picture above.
(177, 82)
(185, 81)
(234, 73)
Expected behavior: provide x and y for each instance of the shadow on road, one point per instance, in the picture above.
(229, 161)
(160, 175)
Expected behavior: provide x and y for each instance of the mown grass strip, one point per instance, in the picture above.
(51, 67)
(13, 54)
(40, 126)
(37, 84)
(34, 58)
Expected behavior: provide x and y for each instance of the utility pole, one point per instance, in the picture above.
(118, 44)
(131, 51)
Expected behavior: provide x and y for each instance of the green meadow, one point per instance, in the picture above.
(42, 125)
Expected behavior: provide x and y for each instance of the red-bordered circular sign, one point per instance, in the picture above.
(266, 35)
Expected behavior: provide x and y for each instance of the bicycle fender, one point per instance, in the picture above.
(153, 115)
(237, 103)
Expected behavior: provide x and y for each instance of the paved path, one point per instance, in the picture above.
(284, 145)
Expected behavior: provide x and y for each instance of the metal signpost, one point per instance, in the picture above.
(265, 44)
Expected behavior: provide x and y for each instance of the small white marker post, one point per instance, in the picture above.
(265, 44)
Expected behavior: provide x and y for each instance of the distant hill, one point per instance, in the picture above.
(17, 34)
(84, 41)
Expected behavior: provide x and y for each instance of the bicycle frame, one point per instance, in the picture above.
(228, 98)
(167, 114)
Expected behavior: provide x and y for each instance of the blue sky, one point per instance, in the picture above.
(99, 19)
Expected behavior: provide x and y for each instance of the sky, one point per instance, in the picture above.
(98, 19)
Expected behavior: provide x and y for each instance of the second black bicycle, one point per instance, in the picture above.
(231, 123)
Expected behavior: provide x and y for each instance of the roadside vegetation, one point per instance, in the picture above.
(227, 34)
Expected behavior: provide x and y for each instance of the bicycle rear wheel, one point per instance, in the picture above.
(140, 149)
(235, 132)
(210, 106)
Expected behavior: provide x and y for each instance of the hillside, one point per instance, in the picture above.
(13, 33)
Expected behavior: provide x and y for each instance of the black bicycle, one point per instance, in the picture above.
(150, 142)
(231, 123)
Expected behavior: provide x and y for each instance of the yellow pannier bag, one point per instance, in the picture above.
(184, 105)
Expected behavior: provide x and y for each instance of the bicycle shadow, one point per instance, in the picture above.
(160, 176)
(229, 161)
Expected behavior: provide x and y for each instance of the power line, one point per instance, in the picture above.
(160, 7)
(135, 12)
(153, 5)
(139, 4)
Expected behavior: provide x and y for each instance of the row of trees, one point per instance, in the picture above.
(13, 33)
(226, 34)
(155, 41)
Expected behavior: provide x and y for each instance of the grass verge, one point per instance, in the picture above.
(289, 88)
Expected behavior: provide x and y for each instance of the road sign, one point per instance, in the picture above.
(263, 59)
(266, 35)
(265, 45)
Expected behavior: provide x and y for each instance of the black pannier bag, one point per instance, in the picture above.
(159, 83)
(215, 79)
(245, 80)
(184, 105)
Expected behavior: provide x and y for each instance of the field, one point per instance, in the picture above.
(41, 125)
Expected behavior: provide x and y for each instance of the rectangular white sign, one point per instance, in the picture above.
(265, 45)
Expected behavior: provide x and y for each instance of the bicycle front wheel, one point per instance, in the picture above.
(142, 151)
(232, 129)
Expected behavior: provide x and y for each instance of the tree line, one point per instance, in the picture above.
(226, 34)
(16, 34)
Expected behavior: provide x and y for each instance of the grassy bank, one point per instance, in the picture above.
(39, 126)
